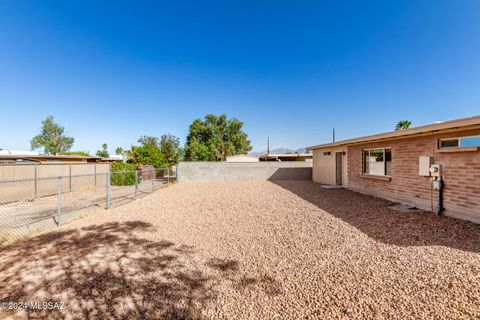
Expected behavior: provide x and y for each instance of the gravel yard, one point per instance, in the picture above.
(249, 250)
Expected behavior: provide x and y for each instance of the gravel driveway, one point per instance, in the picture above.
(249, 250)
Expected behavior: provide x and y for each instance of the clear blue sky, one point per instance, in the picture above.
(110, 71)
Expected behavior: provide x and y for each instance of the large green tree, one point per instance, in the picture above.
(52, 138)
(215, 138)
(170, 149)
(148, 140)
(148, 153)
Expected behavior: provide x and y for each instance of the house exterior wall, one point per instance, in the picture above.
(324, 166)
(461, 178)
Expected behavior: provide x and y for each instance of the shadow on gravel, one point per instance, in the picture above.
(229, 270)
(103, 271)
(111, 271)
(372, 216)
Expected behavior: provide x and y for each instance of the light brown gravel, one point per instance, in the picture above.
(250, 250)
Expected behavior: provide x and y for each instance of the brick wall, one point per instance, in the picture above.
(461, 175)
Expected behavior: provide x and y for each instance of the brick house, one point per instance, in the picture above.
(407, 166)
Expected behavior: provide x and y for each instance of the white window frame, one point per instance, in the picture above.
(459, 139)
(384, 162)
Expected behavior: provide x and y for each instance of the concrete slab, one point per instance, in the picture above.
(331, 186)
(404, 207)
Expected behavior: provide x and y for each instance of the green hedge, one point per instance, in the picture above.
(123, 174)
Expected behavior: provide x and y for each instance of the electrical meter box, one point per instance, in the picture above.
(424, 166)
(436, 170)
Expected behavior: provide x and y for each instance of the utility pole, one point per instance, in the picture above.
(268, 145)
(333, 135)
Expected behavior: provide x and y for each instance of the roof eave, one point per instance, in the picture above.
(406, 133)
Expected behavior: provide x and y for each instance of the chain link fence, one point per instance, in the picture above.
(30, 205)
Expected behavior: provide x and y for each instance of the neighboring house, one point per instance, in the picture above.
(29, 157)
(8, 160)
(17, 157)
(287, 157)
(407, 165)
(115, 158)
(242, 158)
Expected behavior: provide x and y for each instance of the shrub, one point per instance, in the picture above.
(123, 174)
(147, 154)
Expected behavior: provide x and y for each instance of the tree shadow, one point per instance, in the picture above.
(103, 271)
(229, 270)
(223, 265)
(372, 216)
(114, 270)
(268, 284)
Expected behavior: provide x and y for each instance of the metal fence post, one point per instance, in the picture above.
(95, 174)
(107, 202)
(168, 175)
(70, 175)
(36, 182)
(59, 202)
(136, 183)
(153, 176)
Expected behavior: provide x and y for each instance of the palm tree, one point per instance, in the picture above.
(403, 124)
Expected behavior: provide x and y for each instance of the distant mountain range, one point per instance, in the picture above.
(277, 151)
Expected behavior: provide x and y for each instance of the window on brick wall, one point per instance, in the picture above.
(377, 161)
(449, 143)
(462, 142)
